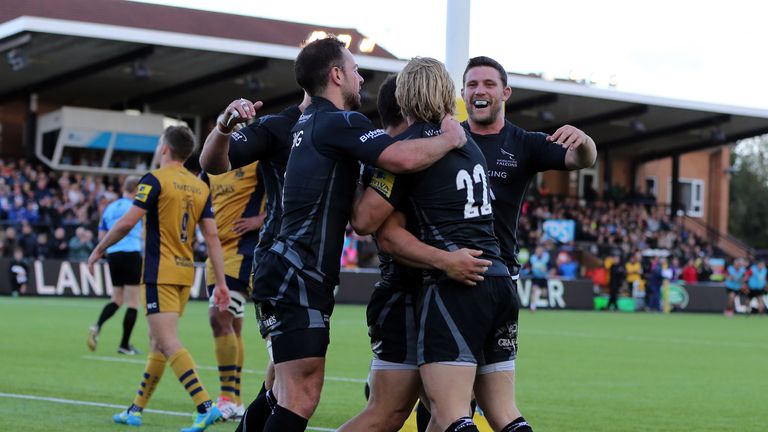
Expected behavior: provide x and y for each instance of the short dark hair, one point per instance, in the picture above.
(180, 140)
(484, 61)
(389, 110)
(314, 62)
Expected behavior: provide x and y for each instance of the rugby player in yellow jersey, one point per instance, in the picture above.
(172, 201)
(238, 202)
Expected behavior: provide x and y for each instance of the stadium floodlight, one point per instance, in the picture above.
(638, 126)
(253, 84)
(140, 70)
(315, 35)
(546, 116)
(717, 136)
(347, 39)
(17, 59)
(366, 45)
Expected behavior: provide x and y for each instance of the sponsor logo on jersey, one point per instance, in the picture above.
(183, 262)
(372, 134)
(143, 193)
(510, 161)
(383, 181)
(304, 117)
(237, 136)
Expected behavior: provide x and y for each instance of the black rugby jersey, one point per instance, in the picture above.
(452, 200)
(396, 276)
(514, 156)
(267, 141)
(320, 183)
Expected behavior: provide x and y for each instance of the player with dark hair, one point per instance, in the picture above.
(266, 141)
(173, 201)
(293, 285)
(124, 258)
(514, 156)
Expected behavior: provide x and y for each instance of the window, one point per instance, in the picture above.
(691, 193)
(651, 186)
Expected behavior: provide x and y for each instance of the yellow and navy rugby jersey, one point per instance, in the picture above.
(175, 200)
(236, 194)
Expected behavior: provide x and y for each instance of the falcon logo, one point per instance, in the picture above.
(510, 162)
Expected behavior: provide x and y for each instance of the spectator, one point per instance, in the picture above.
(568, 268)
(60, 245)
(756, 283)
(28, 241)
(618, 276)
(734, 280)
(81, 245)
(634, 270)
(539, 270)
(690, 274)
(653, 285)
(42, 246)
(17, 273)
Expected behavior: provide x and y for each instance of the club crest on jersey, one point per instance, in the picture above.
(143, 193)
(509, 161)
(383, 181)
(240, 173)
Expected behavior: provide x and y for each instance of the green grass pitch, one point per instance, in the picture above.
(577, 371)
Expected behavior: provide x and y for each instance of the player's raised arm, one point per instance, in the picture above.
(121, 228)
(462, 265)
(582, 151)
(214, 157)
(415, 155)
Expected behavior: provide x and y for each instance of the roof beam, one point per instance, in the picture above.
(195, 83)
(531, 102)
(703, 144)
(667, 131)
(77, 74)
(607, 117)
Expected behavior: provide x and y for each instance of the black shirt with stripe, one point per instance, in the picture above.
(320, 183)
(451, 200)
(267, 141)
(514, 156)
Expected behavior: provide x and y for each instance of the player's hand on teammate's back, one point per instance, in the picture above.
(95, 256)
(569, 137)
(221, 296)
(239, 111)
(464, 266)
(248, 224)
(452, 128)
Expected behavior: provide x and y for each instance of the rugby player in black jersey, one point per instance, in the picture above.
(266, 141)
(464, 331)
(293, 285)
(391, 314)
(514, 156)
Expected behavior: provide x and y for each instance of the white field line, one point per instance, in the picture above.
(213, 368)
(106, 405)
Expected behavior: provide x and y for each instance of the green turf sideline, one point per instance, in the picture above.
(106, 405)
(212, 368)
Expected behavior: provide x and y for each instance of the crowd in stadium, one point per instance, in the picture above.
(50, 214)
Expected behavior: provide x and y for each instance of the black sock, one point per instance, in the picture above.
(135, 409)
(518, 425)
(106, 313)
(204, 407)
(463, 424)
(284, 420)
(258, 412)
(128, 322)
(422, 417)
